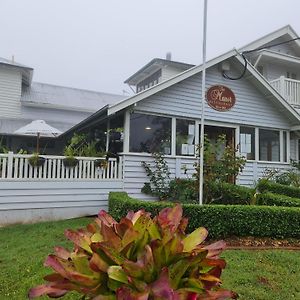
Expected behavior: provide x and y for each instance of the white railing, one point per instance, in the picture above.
(17, 166)
(288, 88)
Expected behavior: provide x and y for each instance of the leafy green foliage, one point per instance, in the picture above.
(265, 185)
(221, 164)
(222, 220)
(137, 258)
(159, 175)
(276, 200)
(186, 191)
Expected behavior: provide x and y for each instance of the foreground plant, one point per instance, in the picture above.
(138, 258)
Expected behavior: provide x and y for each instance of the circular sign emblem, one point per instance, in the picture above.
(220, 97)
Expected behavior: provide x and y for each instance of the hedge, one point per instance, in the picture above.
(221, 220)
(183, 191)
(277, 200)
(276, 188)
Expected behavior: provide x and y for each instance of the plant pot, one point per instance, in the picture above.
(100, 163)
(36, 161)
(70, 162)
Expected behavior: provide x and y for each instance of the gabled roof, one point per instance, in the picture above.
(153, 66)
(278, 99)
(286, 30)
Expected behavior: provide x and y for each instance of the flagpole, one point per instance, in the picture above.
(203, 104)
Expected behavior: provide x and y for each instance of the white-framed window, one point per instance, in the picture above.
(247, 142)
(185, 137)
(269, 145)
(150, 133)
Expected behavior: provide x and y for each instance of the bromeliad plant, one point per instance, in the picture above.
(138, 258)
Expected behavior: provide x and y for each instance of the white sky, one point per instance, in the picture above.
(97, 44)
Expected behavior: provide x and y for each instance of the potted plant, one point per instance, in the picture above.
(101, 163)
(69, 161)
(36, 161)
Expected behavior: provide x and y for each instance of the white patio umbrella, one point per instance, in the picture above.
(38, 128)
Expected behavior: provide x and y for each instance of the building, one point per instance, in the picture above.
(165, 113)
(22, 101)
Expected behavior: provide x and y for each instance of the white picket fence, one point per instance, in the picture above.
(17, 166)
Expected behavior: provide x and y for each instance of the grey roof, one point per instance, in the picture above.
(154, 65)
(60, 97)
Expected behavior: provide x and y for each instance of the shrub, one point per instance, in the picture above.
(138, 258)
(277, 200)
(222, 220)
(183, 190)
(265, 185)
(159, 175)
(227, 193)
(186, 191)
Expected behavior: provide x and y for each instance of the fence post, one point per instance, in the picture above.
(120, 168)
(10, 162)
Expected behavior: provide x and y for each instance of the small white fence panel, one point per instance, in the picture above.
(17, 166)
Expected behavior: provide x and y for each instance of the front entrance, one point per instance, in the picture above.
(213, 133)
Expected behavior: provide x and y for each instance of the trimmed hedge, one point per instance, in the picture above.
(184, 191)
(221, 220)
(277, 200)
(227, 193)
(276, 188)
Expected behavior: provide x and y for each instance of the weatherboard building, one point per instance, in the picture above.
(253, 98)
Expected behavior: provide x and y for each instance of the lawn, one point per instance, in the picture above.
(257, 275)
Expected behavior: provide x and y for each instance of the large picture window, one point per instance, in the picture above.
(150, 133)
(185, 137)
(269, 145)
(247, 142)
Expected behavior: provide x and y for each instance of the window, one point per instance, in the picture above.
(269, 145)
(185, 137)
(150, 134)
(116, 134)
(247, 142)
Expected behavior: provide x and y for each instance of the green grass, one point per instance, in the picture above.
(257, 275)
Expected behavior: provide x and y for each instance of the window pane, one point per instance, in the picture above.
(247, 142)
(150, 134)
(269, 149)
(185, 137)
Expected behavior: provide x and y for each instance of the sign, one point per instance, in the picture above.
(220, 97)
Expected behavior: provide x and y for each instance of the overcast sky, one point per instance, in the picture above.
(97, 44)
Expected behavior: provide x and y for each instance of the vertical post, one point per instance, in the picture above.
(203, 104)
(282, 87)
(10, 164)
(107, 135)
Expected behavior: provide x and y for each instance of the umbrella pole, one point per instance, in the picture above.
(38, 143)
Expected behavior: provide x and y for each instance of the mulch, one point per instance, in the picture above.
(254, 243)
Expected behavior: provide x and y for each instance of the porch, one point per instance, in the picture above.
(288, 88)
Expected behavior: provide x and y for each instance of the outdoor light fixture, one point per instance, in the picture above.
(148, 128)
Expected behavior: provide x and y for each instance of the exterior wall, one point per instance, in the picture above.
(184, 100)
(10, 93)
(274, 71)
(255, 170)
(135, 175)
(35, 201)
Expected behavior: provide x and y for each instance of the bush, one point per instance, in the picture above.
(265, 185)
(222, 220)
(271, 199)
(185, 191)
(227, 193)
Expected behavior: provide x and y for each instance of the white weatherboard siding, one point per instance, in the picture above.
(34, 201)
(10, 93)
(274, 71)
(184, 100)
(135, 175)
